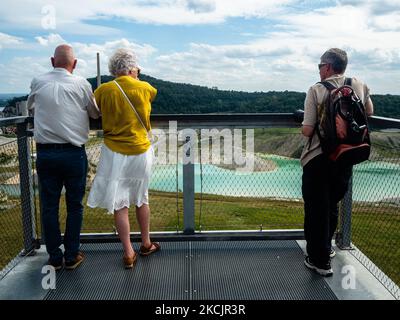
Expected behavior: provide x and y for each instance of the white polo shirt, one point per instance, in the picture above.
(63, 103)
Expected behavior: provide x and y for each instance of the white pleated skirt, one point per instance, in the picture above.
(121, 180)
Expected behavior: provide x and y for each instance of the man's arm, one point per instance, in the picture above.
(310, 114)
(31, 97)
(307, 131)
(369, 107)
(91, 107)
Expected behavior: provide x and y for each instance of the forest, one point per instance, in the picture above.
(187, 98)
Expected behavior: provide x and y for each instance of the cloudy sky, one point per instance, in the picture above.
(252, 45)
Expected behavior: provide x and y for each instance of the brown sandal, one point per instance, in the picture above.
(129, 262)
(148, 251)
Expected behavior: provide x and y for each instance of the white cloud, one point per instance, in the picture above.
(240, 67)
(171, 12)
(354, 30)
(8, 41)
(69, 16)
(285, 57)
(74, 16)
(86, 54)
(178, 12)
(21, 70)
(201, 5)
(52, 39)
(387, 22)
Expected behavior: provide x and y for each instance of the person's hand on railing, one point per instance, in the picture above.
(299, 115)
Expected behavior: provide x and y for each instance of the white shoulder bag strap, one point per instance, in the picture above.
(149, 135)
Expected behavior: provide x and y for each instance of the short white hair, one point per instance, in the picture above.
(122, 61)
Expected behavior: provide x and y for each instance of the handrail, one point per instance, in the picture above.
(384, 123)
(215, 120)
(5, 122)
(375, 122)
(239, 120)
(245, 120)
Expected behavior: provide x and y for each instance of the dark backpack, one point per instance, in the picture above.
(342, 125)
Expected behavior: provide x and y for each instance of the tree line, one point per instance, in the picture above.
(187, 98)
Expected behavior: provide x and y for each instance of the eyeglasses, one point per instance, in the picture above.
(321, 65)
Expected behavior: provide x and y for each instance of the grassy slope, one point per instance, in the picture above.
(375, 230)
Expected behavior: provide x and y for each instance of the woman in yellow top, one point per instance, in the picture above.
(123, 172)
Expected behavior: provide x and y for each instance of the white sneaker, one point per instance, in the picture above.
(326, 271)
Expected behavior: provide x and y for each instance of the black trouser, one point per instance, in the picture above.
(324, 185)
(61, 165)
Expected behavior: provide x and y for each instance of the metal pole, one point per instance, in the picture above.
(26, 188)
(98, 70)
(343, 238)
(188, 189)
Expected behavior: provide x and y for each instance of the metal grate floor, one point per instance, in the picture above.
(223, 270)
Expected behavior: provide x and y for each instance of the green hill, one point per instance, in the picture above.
(187, 98)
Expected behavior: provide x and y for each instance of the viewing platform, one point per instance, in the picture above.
(193, 270)
(225, 234)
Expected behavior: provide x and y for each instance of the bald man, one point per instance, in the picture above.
(64, 58)
(62, 104)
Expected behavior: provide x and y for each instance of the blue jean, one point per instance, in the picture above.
(58, 167)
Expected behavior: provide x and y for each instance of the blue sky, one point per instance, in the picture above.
(252, 45)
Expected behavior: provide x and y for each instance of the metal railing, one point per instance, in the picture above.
(188, 204)
(193, 203)
(18, 215)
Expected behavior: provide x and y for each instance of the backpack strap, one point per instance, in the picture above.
(328, 85)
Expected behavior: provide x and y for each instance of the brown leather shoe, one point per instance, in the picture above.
(148, 251)
(129, 262)
(71, 265)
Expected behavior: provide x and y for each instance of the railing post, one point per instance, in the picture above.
(343, 238)
(26, 188)
(188, 187)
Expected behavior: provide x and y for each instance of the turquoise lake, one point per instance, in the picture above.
(372, 181)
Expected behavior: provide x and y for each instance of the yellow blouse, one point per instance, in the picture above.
(123, 132)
